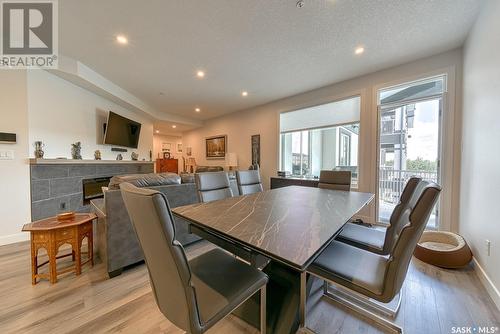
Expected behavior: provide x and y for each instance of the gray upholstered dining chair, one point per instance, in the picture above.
(377, 240)
(194, 295)
(371, 275)
(335, 179)
(213, 186)
(249, 181)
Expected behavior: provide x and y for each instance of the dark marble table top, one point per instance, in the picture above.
(291, 224)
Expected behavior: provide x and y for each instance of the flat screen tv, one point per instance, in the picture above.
(121, 131)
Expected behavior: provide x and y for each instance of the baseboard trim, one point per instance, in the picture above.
(488, 284)
(13, 238)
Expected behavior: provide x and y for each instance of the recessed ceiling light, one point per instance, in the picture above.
(200, 74)
(174, 126)
(122, 39)
(244, 93)
(197, 109)
(157, 131)
(359, 50)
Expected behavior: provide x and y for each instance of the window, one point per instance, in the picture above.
(300, 153)
(409, 140)
(319, 138)
(345, 148)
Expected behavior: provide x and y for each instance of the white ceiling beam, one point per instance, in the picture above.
(83, 76)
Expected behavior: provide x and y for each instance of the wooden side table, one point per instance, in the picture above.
(51, 233)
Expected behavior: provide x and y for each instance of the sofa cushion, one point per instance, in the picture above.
(145, 180)
(187, 178)
(205, 169)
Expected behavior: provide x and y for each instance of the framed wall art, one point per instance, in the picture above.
(166, 147)
(256, 150)
(216, 147)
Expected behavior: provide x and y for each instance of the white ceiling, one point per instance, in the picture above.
(270, 48)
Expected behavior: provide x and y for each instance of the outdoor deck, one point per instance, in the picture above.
(391, 185)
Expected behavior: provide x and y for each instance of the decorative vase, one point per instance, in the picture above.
(76, 151)
(39, 149)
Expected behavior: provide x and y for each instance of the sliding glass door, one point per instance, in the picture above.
(409, 141)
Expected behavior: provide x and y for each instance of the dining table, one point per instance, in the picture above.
(287, 227)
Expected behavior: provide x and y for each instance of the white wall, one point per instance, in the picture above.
(38, 105)
(264, 120)
(14, 174)
(480, 181)
(61, 113)
(239, 127)
(159, 139)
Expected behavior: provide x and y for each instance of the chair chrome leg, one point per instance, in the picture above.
(370, 315)
(263, 321)
(303, 329)
(342, 293)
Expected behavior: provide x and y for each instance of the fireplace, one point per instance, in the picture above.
(71, 184)
(92, 188)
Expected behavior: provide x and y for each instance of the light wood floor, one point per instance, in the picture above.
(434, 300)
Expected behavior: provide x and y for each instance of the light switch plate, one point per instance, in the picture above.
(6, 155)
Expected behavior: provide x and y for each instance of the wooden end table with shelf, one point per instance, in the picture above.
(51, 233)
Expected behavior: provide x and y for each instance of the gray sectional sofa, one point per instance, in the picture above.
(117, 243)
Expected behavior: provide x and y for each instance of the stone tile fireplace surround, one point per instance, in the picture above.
(56, 185)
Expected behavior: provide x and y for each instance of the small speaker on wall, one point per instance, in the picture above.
(118, 149)
(9, 138)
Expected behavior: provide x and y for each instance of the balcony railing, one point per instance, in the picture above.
(392, 182)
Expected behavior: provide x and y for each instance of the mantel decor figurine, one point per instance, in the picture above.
(97, 155)
(134, 156)
(76, 151)
(119, 157)
(39, 149)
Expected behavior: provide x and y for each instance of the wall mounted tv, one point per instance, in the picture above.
(121, 131)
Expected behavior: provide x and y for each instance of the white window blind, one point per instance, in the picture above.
(334, 113)
(417, 90)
